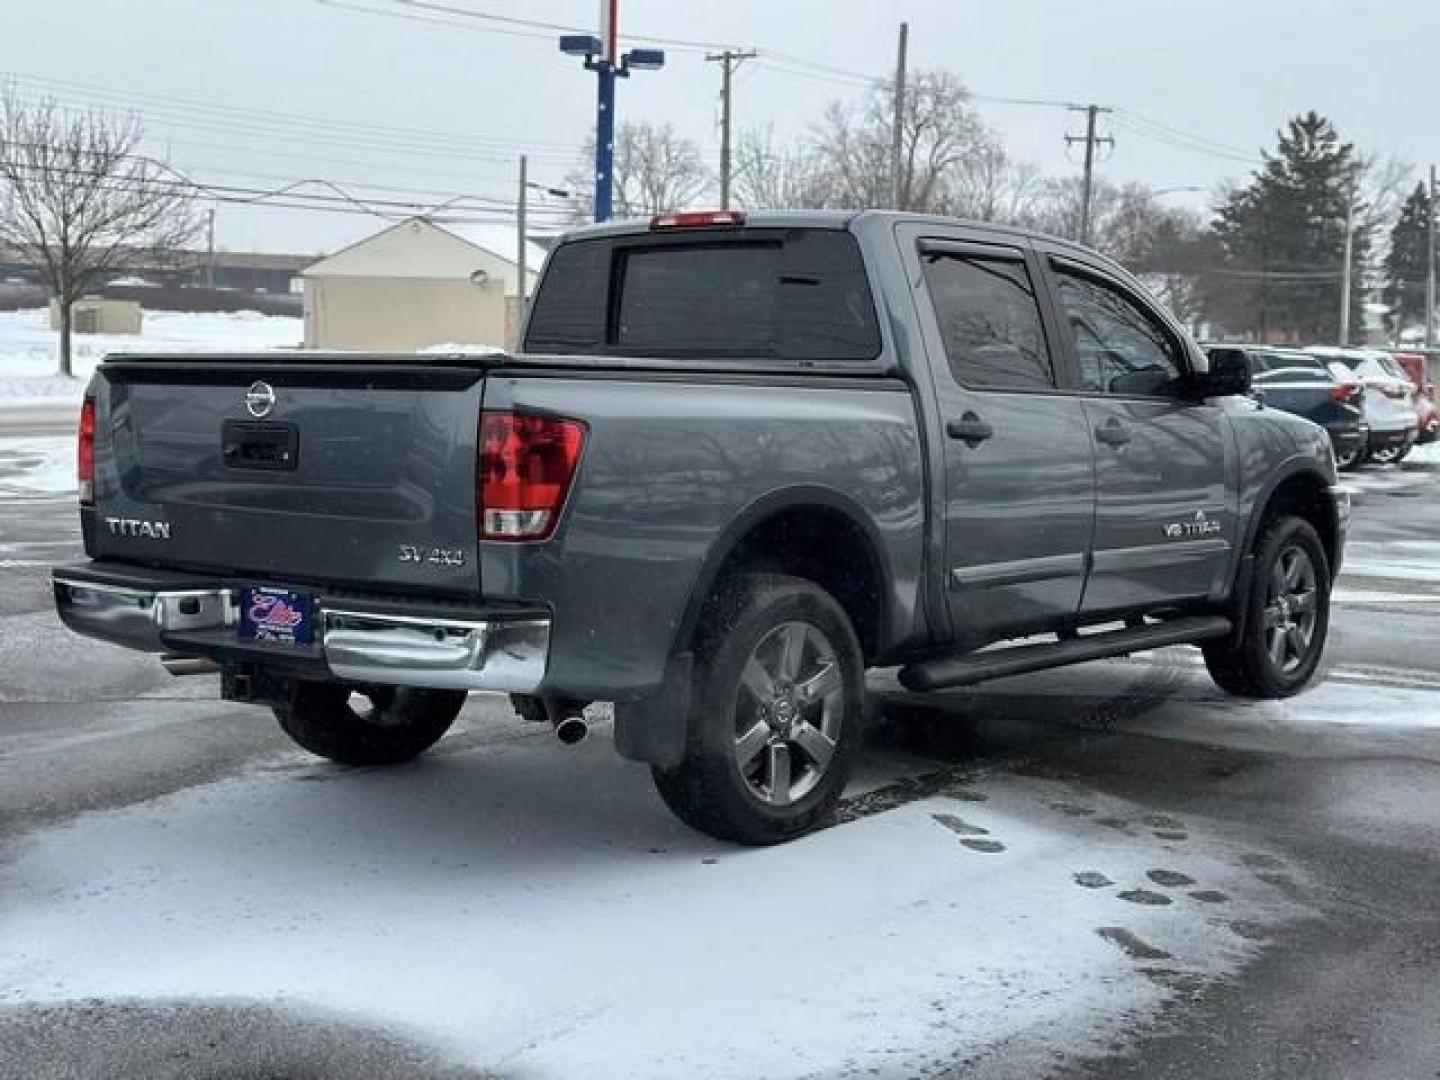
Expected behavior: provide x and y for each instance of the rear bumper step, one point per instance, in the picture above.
(1020, 659)
(382, 643)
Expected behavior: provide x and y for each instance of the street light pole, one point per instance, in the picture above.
(603, 57)
(604, 139)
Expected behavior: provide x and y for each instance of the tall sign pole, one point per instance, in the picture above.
(602, 55)
(605, 108)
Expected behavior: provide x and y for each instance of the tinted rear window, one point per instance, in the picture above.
(788, 296)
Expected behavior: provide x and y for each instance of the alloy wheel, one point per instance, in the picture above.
(1291, 609)
(789, 709)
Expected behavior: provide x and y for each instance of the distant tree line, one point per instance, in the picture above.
(1267, 263)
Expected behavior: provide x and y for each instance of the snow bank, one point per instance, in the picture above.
(43, 466)
(29, 349)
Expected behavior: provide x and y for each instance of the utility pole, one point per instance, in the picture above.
(520, 242)
(1430, 269)
(729, 60)
(1345, 285)
(897, 140)
(210, 248)
(1090, 140)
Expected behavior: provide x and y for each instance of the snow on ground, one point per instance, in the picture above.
(1414, 560)
(37, 466)
(29, 348)
(534, 909)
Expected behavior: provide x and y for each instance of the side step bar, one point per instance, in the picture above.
(1020, 659)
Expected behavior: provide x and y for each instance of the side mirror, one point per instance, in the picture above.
(1229, 373)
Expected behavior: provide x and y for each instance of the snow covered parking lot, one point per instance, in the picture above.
(1106, 871)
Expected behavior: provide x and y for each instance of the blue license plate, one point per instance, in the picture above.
(279, 615)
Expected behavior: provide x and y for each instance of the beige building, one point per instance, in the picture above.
(417, 284)
(92, 315)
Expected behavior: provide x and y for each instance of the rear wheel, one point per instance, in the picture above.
(375, 725)
(775, 713)
(1388, 455)
(1287, 616)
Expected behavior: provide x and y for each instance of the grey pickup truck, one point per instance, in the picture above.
(741, 459)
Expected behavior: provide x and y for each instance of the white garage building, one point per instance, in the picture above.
(418, 284)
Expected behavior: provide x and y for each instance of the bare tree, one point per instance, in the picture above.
(989, 185)
(656, 169)
(769, 176)
(938, 131)
(79, 202)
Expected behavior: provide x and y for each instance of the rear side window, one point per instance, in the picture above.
(790, 296)
(989, 321)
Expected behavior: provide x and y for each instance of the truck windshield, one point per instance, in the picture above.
(791, 297)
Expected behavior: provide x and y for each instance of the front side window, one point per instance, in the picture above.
(989, 321)
(1121, 348)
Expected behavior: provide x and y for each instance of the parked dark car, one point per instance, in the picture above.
(1305, 385)
(742, 458)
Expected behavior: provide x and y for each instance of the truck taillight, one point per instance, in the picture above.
(526, 465)
(85, 453)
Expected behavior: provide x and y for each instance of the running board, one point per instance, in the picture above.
(1020, 659)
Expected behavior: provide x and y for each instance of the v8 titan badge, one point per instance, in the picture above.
(1196, 528)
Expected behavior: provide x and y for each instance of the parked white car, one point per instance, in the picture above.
(1389, 399)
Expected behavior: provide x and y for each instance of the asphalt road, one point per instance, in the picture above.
(1346, 812)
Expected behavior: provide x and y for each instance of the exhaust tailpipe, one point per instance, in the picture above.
(571, 729)
(178, 665)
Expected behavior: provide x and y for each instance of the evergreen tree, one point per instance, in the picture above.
(1283, 238)
(1407, 262)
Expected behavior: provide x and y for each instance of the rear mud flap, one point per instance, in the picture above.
(654, 729)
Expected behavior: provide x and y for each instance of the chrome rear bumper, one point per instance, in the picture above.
(356, 645)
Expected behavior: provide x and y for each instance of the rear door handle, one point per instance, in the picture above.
(969, 429)
(1113, 433)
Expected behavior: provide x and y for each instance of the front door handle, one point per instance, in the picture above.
(969, 429)
(1113, 433)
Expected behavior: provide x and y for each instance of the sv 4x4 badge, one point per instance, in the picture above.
(434, 556)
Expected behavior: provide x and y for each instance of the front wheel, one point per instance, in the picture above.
(1287, 616)
(775, 714)
(389, 725)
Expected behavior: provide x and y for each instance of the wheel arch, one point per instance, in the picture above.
(777, 533)
(1303, 490)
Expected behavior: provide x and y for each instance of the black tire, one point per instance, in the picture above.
(401, 722)
(1249, 667)
(753, 616)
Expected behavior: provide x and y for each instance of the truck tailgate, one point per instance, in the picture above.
(319, 468)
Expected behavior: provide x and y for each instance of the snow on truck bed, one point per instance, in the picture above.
(29, 348)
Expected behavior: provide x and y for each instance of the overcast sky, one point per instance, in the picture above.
(210, 76)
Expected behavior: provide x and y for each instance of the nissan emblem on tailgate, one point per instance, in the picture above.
(260, 399)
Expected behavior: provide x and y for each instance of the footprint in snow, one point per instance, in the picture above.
(1131, 945)
(959, 826)
(1209, 896)
(1170, 879)
(1092, 879)
(1145, 897)
(985, 847)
